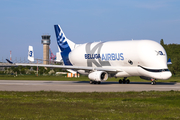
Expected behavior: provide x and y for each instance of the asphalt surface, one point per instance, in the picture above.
(84, 86)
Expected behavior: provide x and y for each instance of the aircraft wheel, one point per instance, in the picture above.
(128, 81)
(99, 82)
(94, 82)
(91, 82)
(120, 81)
(124, 81)
(153, 82)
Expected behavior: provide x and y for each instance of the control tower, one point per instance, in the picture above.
(46, 42)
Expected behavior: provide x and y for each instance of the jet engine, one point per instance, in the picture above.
(98, 76)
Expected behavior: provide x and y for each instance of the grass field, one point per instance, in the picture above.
(90, 106)
(82, 78)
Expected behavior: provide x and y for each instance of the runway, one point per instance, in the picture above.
(83, 86)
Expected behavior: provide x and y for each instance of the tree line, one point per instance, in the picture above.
(173, 52)
(30, 70)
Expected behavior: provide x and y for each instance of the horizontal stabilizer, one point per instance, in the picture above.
(169, 61)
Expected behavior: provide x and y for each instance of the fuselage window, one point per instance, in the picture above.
(130, 62)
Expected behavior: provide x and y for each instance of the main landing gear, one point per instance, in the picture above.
(94, 82)
(124, 81)
(153, 81)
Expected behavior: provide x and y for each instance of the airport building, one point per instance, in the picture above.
(46, 42)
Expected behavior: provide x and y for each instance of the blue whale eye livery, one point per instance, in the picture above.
(159, 53)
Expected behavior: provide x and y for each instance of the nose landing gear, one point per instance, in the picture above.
(153, 81)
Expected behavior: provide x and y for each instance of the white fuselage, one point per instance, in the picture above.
(131, 58)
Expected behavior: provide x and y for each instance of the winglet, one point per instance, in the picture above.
(169, 61)
(9, 61)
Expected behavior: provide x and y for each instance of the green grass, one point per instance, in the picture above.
(41, 77)
(90, 106)
(82, 78)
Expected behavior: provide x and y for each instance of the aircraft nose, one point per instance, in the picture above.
(166, 75)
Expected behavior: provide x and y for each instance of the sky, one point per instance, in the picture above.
(22, 22)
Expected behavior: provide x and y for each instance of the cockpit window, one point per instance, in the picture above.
(154, 70)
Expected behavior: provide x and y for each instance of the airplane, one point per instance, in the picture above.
(9, 61)
(100, 60)
(31, 54)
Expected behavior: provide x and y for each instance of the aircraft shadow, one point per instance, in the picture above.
(106, 83)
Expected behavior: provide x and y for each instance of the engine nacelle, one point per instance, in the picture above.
(98, 76)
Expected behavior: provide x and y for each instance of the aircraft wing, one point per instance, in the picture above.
(71, 67)
(111, 69)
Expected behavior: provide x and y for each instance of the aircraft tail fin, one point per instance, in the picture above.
(65, 45)
(31, 54)
(169, 61)
(9, 61)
